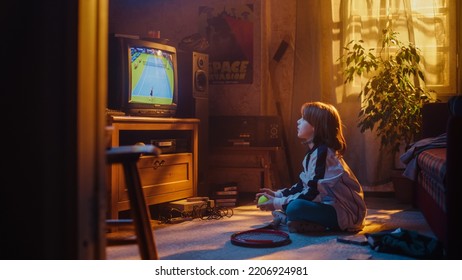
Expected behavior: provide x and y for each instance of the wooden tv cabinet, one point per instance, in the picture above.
(167, 177)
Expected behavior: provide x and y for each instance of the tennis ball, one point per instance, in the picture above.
(262, 199)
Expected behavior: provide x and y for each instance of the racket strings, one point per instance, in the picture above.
(262, 236)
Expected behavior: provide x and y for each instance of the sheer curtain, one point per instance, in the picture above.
(427, 24)
(324, 27)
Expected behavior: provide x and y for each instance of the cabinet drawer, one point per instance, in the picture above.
(162, 175)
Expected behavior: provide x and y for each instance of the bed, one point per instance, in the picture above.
(438, 172)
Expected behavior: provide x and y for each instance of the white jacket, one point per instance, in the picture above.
(338, 187)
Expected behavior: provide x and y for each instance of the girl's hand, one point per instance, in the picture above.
(265, 191)
(268, 205)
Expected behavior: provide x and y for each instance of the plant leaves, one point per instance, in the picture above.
(392, 97)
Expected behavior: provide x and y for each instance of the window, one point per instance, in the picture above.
(429, 24)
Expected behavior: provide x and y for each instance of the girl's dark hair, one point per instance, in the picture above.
(327, 125)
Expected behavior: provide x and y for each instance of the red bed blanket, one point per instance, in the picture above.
(431, 178)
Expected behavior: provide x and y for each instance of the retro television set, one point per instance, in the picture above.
(142, 77)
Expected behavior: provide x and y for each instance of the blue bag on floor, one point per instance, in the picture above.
(406, 242)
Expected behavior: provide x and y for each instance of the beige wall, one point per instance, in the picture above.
(176, 19)
(308, 27)
(274, 21)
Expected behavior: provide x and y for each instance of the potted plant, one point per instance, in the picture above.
(394, 93)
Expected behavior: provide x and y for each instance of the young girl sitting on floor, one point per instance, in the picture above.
(328, 196)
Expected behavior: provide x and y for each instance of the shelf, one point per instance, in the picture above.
(167, 177)
(251, 167)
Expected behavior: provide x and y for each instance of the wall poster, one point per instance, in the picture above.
(229, 31)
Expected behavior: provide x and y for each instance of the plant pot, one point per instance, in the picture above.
(397, 163)
(403, 186)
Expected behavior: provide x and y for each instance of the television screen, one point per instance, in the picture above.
(152, 76)
(142, 77)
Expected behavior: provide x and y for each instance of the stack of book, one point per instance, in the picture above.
(225, 195)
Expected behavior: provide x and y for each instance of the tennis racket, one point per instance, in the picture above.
(261, 238)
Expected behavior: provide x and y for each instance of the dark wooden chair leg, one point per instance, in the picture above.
(140, 211)
(128, 156)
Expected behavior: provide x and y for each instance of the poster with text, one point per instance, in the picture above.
(229, 31)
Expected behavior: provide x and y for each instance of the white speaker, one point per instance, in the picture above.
(193, 83)
(200, 75)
